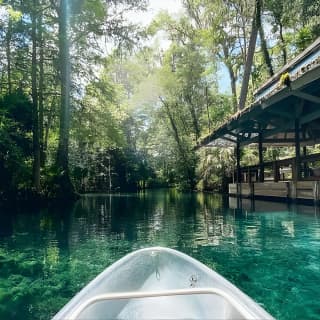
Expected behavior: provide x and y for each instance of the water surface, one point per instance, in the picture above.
(270, 251)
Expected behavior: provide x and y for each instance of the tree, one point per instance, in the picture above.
(63, 147)
(256, 21)
(131, 115)
(35, 109)
(92, 31)
(224, 31)
(264, 48)
(280, 17)
(15, 144)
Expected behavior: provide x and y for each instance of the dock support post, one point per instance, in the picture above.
(276, 172)
(305, 164)
(238, 162)
(297, 169)
(261, 164)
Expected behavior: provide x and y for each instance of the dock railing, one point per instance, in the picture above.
(281, 179)
(282, 170)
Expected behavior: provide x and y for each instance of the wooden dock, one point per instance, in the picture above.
(282, 115)
(301, 191)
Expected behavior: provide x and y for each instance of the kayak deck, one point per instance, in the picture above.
(165, 308)
(160, 283)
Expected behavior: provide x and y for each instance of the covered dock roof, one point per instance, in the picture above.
(290, 99)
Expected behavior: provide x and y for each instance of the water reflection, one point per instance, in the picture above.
(270, 250)
(249, 205)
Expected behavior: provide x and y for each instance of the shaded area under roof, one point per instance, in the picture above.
(278, 106)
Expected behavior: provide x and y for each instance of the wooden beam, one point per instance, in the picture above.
(293, 63)
(268, 133)
(278, 96)
(270, 141)
(306, 96)
(287, 115)
(310, 117)
(295, 86)
(241, 120)
(306, 78)
(249, 130)
(229, 139)
(230, 133)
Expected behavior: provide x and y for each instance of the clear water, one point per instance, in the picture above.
(270, 251)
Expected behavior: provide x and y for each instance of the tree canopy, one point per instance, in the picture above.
(91, 102)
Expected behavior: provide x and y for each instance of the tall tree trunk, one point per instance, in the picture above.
(207, 106)
(283, 44)
(233, 83)
(48, 124)
(193, 114)
(174, 127)
(265, 51)
(243, 27)
(263, 41)
(63, 148)
(35, 117)
(8, 55)
(181, 148)
(41, 88)
(2, 81)
(250, 54)
(66, 187)
(232, 75)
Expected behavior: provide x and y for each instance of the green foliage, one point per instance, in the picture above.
(56, 185)
(29, 27)
(215, 168)
(136, 114)
(103, 157)
(304, 38)
(249, 156)
(14, 14)
(17, 107)
(15, 143)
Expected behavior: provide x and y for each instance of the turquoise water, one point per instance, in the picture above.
(270, 251)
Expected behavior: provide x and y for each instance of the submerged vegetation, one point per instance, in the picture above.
(48, 255)
(91, 102)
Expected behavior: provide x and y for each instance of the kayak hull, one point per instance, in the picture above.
(160, 283)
